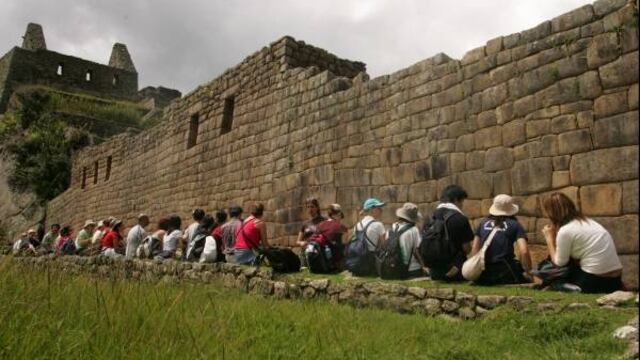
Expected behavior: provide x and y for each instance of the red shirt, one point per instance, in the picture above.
(107, 241)
(61, 241)
(248, 235)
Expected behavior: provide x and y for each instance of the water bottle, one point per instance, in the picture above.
(327, 252)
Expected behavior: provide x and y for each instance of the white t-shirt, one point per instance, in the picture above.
(588, 242)
(375, 231)
(170, 242)
(134, 238)
(409, 242)
(97, 236)
(190, 231)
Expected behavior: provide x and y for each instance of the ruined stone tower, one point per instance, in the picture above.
(33, 38)
(120, 58)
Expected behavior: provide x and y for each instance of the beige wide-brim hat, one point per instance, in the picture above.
(409, 212)
(89, 223)
(503, 206)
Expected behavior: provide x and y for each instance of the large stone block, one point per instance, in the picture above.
(602, 49)
(630, 271)
(502, 182)
(532, 176)
(514, 133)
(605, 165)
(574, 142)
(537, 128)
(610, 104)
(563, 123)
(601, 200)
(477, 184)
(488, 137)
(618, 130)
(623, 71)
(577, 17)
(630, 197)
(498, 158)
(623, 230)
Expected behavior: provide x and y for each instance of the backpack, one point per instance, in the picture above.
(149, 247)
(436, 249)
(282, 260)
(68, 248)
(210, 251)
(359, 260)
(316, 255)
(389, 262)
(550, 273)
(195, 247)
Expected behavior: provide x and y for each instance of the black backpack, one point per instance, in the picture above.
(316, 259)
(196, 247)
(282, 260)
(389, 261)
(359, 260)
(149, 247)
(436, 248)
(68, 247)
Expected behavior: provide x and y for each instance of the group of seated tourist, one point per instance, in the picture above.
(439, 246)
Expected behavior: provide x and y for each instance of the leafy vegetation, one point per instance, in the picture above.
(53, 315)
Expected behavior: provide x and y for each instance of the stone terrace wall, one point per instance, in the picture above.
(553, 108)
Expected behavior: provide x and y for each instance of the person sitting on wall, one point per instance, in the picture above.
(32, 235)
(335, 232)
(49, 240)
(22, 245)
(216, 232)
(65, 244)
(229, 231)
(111, 243)
(135, 236)
(571, 235)
(309, 227)
(251, 235)
(459, 232)
(83, 239)
(408, 217)
(501, 266)
(172, 237)
(99, 232)
(360, 259)
(189, 233)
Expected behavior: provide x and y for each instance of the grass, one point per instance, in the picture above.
(56, 316)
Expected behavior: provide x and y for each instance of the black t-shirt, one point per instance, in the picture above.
(460, 231)
(501, 247)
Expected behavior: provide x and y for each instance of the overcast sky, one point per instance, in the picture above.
(184, 43)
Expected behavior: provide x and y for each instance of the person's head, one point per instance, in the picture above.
(24, 236)
(143, 220)
(207, 223)
(32, 233)
(163, 224)
(560, 209)
(335, 212)
(65, 231)
(373, 207)
(89, 225)
(55, 228)
(409, 213)
(312, 206)
(257, 210)
(117, 225)
(454, 194)
(100, 225)
(221, 216)
(175, 222)
(106, 222)
(198, 215)
(235, 211)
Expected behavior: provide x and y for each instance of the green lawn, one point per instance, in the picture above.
(61, 317)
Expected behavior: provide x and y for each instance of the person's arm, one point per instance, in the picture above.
(559, 248)
(525, 255)
(300, 240)
(262, 226)
(475, 245)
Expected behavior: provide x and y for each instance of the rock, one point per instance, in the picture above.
(549, 307)
(250, 272)
(309, 292)
(466, 313)
(578, 306)
(601, 200)
(321, 284)
(490, 301)
(531, 176)
(431, 306)
(519, 302)
(626, 333)
(602, 166)
(449, 318)
(449, 306)
(466, 300)
(617, 130)
(573, 142)
(441, 293)
(417, 292)
(280, 289)
(616, 298)
(481, 311)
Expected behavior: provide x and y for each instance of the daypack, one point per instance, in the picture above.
(149, 247)
(317, 259)
(389, 262)
(436, 247)
(195, 247)
(210, 252)
(550, 273)
(68, 248)
(282, 260)
(359, 260)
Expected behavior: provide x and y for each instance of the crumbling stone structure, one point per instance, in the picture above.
(552, 108)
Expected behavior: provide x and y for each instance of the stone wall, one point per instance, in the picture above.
(384, 295)
(552, 108)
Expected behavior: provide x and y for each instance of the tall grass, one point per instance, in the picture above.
(54, 316)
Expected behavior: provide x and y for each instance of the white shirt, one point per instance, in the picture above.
(409, 242)
(588, 242)
(375, 231)
(134, 238)
(97, 236)
(191, 230)
(170, 242)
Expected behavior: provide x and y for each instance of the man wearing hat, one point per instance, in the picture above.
(372, 211)
(135, 236)
(83, 239)
(408, 218)
(32, 234)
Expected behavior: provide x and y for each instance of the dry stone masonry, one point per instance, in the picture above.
(552, 108)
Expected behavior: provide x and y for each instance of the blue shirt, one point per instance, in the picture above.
(501, 247)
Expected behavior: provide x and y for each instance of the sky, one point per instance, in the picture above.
(184, 43)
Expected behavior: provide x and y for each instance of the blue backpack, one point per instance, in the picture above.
(359, 260)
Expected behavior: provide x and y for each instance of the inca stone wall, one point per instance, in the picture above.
(553, 108)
